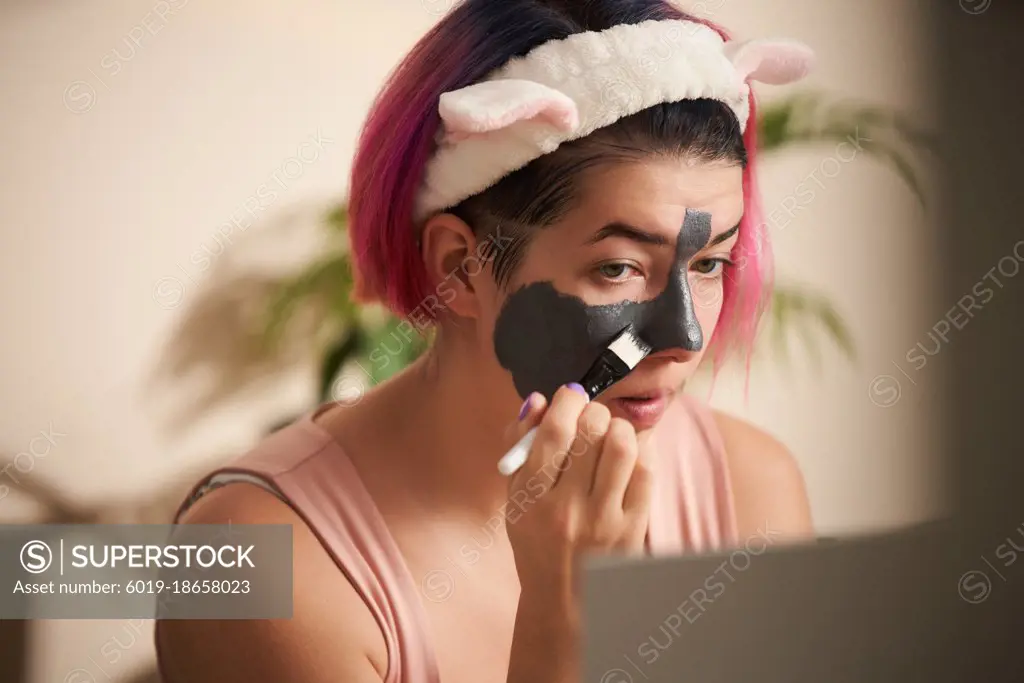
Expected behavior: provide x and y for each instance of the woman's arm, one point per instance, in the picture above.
(768, 487)
(331, 636)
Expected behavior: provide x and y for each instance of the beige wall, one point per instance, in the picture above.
(118, 168)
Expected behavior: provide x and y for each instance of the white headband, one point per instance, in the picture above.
(566, 89)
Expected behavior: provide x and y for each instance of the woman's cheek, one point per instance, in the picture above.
(707, 302)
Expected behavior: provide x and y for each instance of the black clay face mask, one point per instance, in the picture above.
(546, 338)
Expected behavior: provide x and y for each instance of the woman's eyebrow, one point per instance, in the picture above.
(724, 236)
(631, 232)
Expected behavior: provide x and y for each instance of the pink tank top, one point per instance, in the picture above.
(692, 510)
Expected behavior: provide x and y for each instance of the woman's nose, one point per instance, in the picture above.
(675, 354)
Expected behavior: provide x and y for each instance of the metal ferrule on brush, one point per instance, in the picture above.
(615, 362)
(608, 370)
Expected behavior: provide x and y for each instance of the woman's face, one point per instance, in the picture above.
(657, 231)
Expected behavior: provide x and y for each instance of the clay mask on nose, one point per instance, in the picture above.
(545, 338)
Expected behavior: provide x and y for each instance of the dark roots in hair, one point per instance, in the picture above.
(542, 192)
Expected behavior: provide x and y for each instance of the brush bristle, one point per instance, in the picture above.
(629, 348)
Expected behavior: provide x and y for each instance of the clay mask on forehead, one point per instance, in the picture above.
(546, 338)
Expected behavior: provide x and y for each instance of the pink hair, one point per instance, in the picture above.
(747, 286)
(396, 143)
(394, 146)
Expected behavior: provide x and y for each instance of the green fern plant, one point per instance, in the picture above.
(812, 118)
(343, 331)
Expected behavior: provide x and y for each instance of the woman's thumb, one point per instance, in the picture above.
(529, 416)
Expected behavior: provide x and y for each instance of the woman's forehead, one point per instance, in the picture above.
(656, 195)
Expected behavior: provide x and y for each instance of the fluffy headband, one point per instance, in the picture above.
(566, 89)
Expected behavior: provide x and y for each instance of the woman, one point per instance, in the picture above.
(531, 166)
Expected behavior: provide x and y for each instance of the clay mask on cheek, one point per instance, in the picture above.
(545, 338)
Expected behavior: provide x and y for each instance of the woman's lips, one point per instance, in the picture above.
(643, 411)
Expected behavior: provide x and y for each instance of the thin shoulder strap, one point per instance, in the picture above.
(309, 471)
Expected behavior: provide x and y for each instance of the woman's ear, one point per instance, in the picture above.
(452, 258)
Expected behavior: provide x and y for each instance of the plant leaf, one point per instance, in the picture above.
(807, 118)
(323, 279)
(810, 313)
(880, 149)
(882, 118)
(337, 218)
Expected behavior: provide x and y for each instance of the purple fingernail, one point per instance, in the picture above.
(578, 388)
(526, 407)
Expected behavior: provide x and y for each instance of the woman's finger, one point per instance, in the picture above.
(555, 433)
(585, 453)
(530, 415)
(615, 468)
(636, 502)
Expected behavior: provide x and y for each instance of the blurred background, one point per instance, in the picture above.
(174, 267)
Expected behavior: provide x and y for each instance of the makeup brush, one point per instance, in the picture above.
(622, 355)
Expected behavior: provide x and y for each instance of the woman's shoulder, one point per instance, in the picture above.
(291, 449)
(198, 651)
(236, 650)
(768, 486)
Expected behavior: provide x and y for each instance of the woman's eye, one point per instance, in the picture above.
(710, 266)
(615, 271)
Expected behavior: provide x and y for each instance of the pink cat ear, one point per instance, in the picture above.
(774, 62)
(492, 105)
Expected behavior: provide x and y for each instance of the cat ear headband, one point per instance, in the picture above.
(566, 89)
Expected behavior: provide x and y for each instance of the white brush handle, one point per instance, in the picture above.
(516, 456)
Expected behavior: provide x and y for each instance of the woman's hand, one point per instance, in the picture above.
(585, 488)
